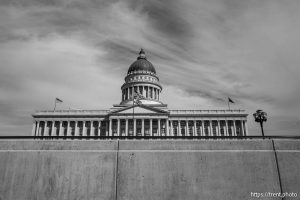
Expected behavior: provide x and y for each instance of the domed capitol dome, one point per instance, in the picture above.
(141, 79)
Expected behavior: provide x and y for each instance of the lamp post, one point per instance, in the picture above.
(260, 117)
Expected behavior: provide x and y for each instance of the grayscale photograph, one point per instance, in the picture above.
(149, 99)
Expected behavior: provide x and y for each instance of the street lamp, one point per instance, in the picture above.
(260, 117)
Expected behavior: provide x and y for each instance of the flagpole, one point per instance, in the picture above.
(133, 110)
(55, 101)
(228, 105)
(54, 104)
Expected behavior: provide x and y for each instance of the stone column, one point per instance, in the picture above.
(127, 91)
(84, 129)
(210, 128)
(195, 128)
(106, 128)
(68, 129)
(242, 126)
(153, 93)
(33, 128)
(151, 133)
(171, 132)
(118, 127)
(134, 127)
(149, 96)
(60, 128)
(186, 127)
(99, 128)
(52, 128)
(143, 127)
(46, 133)
(129, 95)
(37, 133)
(246, 128)
(179, 128)
(231, 128)
(219, 128)
(126, 127)
(76, 128)
(234, 128)
(202, 128)
(167, 128)
(226, 125)
(158, 127)
(110, 128)
(130, 92)
(92, 129)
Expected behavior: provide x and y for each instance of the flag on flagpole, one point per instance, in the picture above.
(137, 97)
(58, 100)
(230, 100)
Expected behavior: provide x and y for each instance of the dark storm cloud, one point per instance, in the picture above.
(166, 18)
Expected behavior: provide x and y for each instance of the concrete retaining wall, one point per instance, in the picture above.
(137, 170)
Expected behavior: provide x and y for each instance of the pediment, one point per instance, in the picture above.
(139, 109)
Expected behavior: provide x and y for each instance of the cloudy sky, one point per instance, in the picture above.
(203, 51)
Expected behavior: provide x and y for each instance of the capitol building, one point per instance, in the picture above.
(141, 113)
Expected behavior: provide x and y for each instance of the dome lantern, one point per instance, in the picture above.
(141, 64)
(142, 55)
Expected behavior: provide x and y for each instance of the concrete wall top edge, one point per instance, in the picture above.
(287, 144)
(196, 145)
(57, 145)
(252, 144)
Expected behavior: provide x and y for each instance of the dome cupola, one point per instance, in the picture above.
(141, 64)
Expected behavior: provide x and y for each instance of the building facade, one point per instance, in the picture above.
(141, 113)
